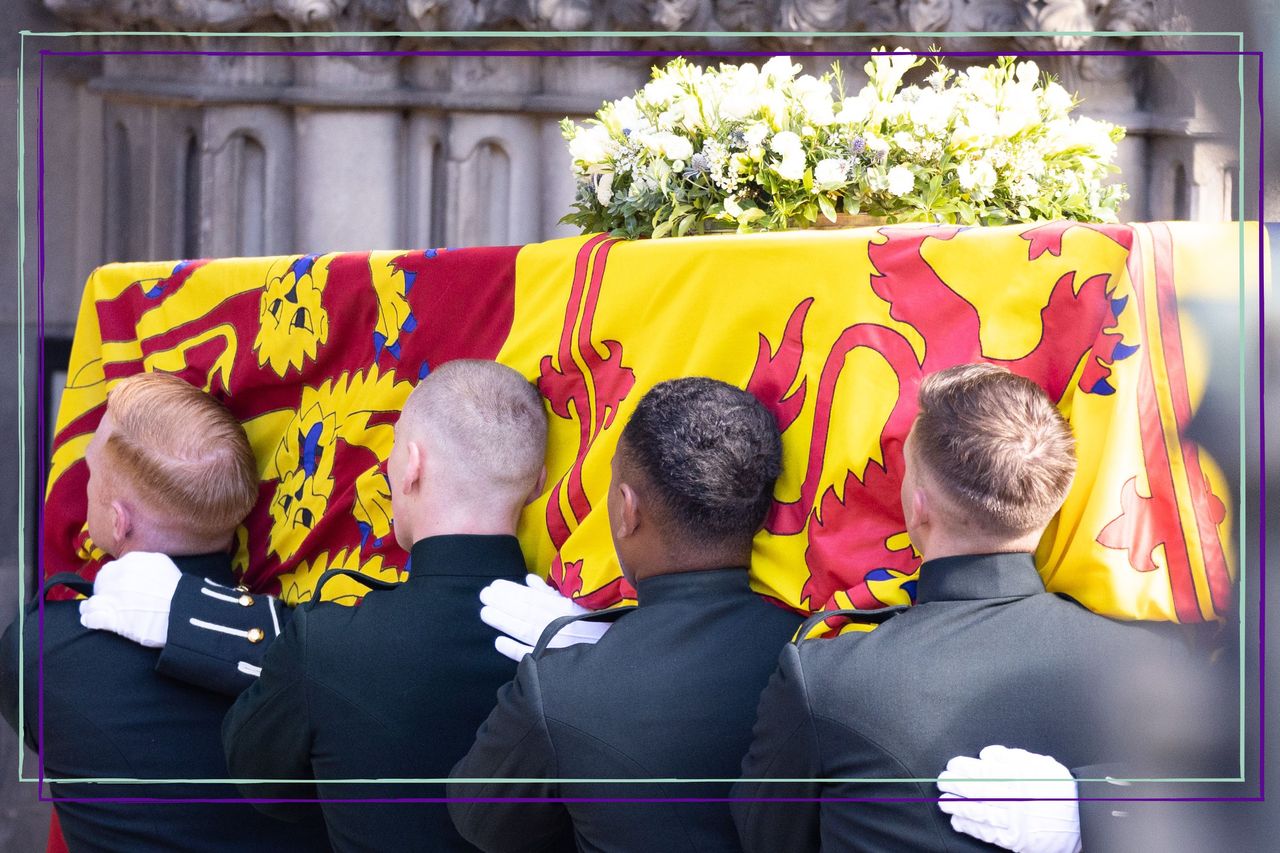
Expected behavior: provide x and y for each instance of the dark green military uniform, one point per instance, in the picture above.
(985, 657)
(669, 693)
(107, 714)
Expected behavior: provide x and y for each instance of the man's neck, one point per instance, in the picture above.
(492, 519)
(158, 542)
(682, 560)
(942, 544)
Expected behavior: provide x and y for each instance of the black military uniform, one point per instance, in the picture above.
(668, 693)
(986, 656)
(218, 636)
(392, 688)
(107, 714)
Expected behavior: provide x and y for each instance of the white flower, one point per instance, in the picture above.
(1026, 187)
(979, 179)
(677, 147)
(660, 90)
(906, 141)
(779, 69)
(901, 181)
(669, 145)
(589, 145)
(774, 106)
(626, 113)
(786, 142)
(815, 100)
(737, 105)
(829, 173)
(755, 134)
(790, 167)
(604, 189)
(1057, 101)
(732, 207)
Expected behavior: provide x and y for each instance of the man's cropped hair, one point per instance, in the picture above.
(711, 454)
(183, 452)
(487, 418)
(996, 445)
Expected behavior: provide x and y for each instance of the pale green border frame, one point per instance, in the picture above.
(1240, 184)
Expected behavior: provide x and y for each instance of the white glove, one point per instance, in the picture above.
(1049, 822)
(131, 597)
(523, 613)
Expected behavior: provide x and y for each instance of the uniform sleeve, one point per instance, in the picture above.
(10, 675)
(267, 732)
(784, 746)
(219, 636)
(513, 743)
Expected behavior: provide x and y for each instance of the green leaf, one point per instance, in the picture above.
(828, 208)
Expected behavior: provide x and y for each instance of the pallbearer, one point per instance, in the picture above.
(171, 475)
(670, 691)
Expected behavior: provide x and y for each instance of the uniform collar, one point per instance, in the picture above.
(682, 586)
(489, 556)
(215, 567)
(973, 576)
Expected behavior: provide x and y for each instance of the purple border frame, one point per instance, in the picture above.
(40, 416)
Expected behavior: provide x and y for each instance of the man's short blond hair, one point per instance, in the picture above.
(485, 418)
(996, 445)
(183, 453)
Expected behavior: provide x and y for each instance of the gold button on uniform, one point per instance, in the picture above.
(256, 635)
(246, 601)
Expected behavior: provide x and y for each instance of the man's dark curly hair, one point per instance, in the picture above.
(711, 454)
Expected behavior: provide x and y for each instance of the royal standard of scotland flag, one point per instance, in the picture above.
(832, 330)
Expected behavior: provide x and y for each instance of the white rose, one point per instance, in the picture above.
(732, 207)
(785, 142)
(791, 166)
(676, 147)
(901, 181)
(829, 174)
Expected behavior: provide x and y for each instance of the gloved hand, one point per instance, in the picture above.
(131, 597)
(1047, 823)
(522, 613)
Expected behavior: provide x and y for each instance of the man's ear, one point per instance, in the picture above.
(121, 523)
(414, 464)
(917, 509)
(537, 487)
(628, 512)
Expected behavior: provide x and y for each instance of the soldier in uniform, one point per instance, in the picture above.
(92, 701)
(985, 657)
(669, 692)
(395, 687)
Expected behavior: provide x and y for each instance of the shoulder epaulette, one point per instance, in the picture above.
(371, 583)
(68, 579)
(557, 625)
(873, 617)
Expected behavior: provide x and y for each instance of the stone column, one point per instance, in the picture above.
(348, 176)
